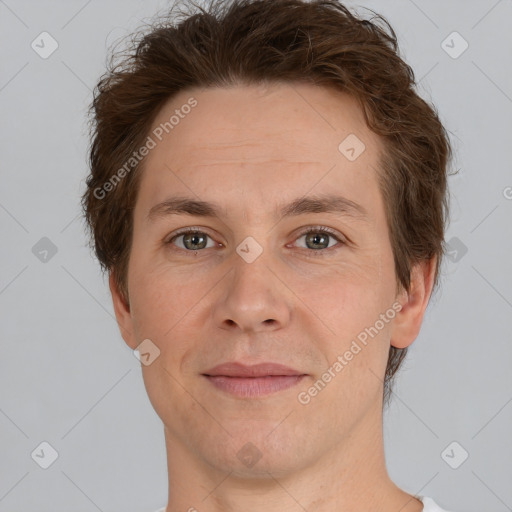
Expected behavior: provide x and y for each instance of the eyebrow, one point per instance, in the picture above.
(326, 203)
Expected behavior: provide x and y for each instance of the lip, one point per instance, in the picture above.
(254, 380)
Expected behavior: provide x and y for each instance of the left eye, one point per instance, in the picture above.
(318, 238)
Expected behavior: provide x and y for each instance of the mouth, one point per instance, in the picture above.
(253, 381)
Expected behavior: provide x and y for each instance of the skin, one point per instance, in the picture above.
(251, 148)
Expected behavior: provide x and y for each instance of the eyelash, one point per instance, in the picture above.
(315, 229)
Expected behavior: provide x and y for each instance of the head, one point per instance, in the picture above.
(248, 105)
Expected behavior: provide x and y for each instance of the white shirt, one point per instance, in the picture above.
(429, 505)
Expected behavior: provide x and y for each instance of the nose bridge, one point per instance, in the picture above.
(253, 298)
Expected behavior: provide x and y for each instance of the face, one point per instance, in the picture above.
(252, 286)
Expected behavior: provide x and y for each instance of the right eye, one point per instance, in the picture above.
(192, 239)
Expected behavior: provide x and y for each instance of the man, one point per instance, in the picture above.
(268, 195)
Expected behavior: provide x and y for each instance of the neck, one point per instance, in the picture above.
(352, 476)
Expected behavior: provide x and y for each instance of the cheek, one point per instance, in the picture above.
(345, 295)
(348, 303)
(168, 308)
(156, 299)
(352, 314)
(355, 346)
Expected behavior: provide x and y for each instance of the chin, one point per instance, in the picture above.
(256, 453)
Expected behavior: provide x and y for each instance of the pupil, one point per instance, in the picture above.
(315, 238)
(193, 237)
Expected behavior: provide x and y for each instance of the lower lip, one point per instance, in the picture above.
(251, 387)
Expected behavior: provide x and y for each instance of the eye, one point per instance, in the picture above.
(317, 238)
(193, 239)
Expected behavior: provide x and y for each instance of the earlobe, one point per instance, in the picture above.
(122, 312)
(414, 302)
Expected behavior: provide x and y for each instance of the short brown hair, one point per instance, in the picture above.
(254, 41)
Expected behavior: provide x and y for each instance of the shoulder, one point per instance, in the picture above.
(429, 505)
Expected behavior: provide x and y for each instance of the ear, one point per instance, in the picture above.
(408, 320)
(123, 314)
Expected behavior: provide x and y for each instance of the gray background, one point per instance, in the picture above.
(66, 375)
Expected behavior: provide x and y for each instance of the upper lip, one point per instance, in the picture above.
(257, 370)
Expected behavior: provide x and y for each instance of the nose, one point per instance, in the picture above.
(253, 298)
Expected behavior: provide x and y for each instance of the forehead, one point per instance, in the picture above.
(254, 138)
(295, 119)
